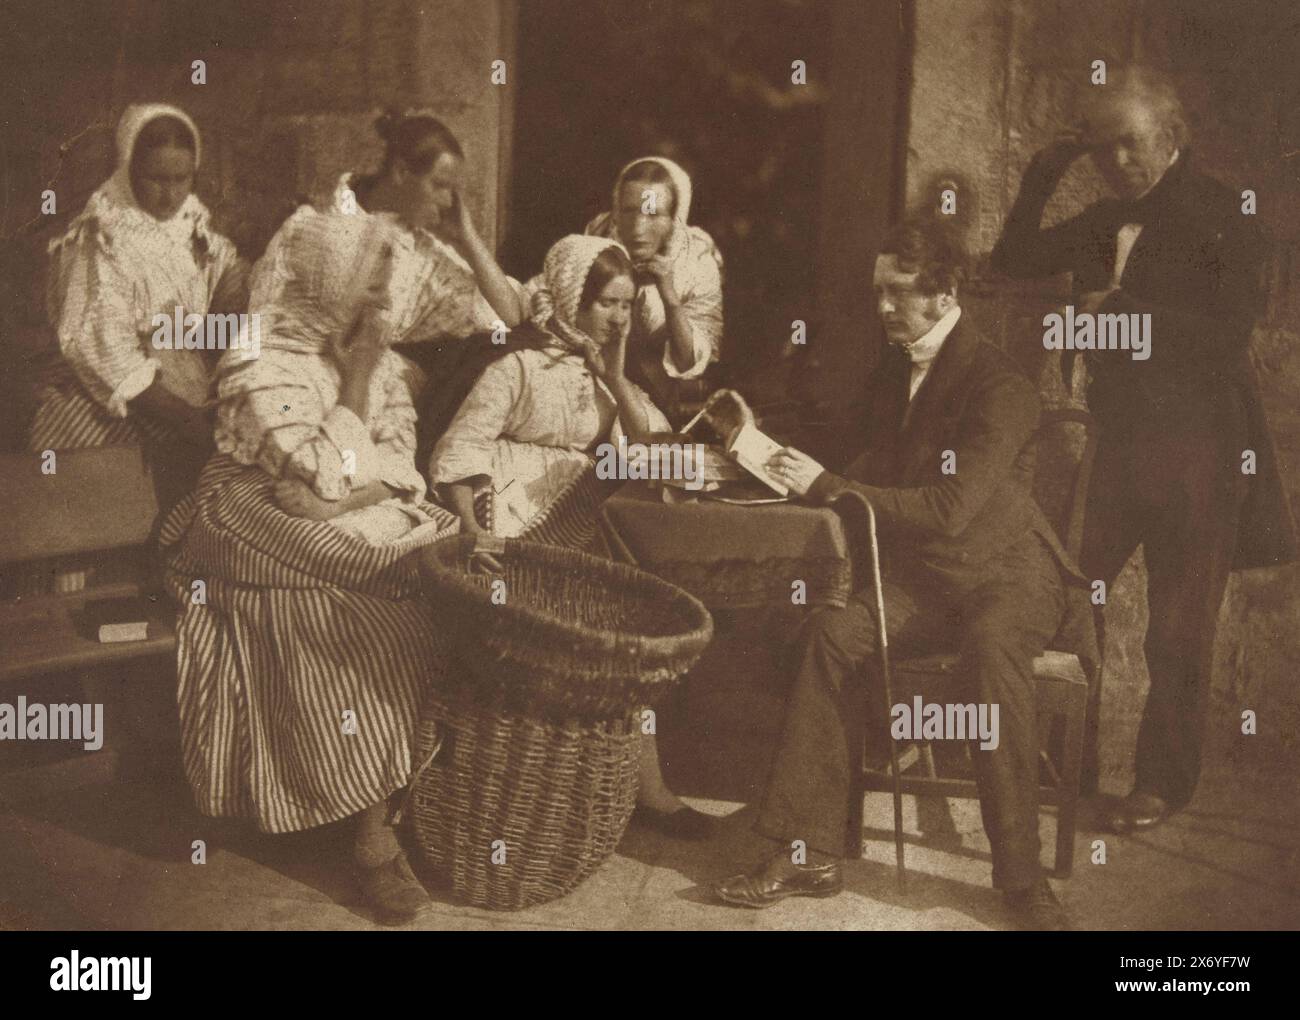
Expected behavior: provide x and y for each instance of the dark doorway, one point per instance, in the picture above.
(709, 83)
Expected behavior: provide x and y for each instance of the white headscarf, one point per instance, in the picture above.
(117, 193)
(683, 243)
(555, 306)
(319, 271)
(681, 186)
(115, 199)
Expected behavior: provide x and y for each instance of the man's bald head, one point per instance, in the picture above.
(1133, 124)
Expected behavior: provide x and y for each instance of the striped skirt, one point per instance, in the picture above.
(68, 418)
(304, 654)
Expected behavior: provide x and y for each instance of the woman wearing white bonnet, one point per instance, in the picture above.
(522, 441)
(141, 248)
(526, 433)
(677, 318)
(302, 525)
(302, 670)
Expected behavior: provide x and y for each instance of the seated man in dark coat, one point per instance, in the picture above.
(970, 564)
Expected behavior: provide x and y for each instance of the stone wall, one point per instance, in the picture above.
(992, 84)
(291, 92)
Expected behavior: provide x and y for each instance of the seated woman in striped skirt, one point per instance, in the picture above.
(140, 250)
(525, 435)
(304, 648)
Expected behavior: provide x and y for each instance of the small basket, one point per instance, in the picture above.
(531, 746)
(562, 633)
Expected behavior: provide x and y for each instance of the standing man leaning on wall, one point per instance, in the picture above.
(1185, 463)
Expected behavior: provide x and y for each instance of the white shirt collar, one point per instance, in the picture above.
(924, 350)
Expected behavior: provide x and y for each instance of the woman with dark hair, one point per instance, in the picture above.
(517, 458)
(141, 248)
(527, 430)
(677, 314)
(446, 282)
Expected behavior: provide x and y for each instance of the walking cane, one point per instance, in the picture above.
(882, 644)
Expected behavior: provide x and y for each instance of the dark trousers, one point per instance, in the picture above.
(998, 626)
(1175, 487)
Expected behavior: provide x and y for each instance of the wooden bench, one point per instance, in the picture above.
(93, 518)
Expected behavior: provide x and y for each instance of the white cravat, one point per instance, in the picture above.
(1128, 233)
(926, 349)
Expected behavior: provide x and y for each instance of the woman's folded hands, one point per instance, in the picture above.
(297, 499)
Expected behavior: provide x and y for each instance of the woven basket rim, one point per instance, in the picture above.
(439, 565)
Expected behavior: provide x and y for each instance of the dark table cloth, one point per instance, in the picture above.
(728, 556)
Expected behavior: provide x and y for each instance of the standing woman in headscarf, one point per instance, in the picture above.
(303, 665)
(677, 315)
(142, 247)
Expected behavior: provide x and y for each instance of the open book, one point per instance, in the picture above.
(752, 450)
(731, 418)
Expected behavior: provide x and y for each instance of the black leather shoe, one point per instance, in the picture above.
(779, 879)
(1136, 812)
(1037, 908)
(684, 823)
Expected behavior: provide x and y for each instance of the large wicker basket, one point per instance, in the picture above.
(529, 750)
(561, 633)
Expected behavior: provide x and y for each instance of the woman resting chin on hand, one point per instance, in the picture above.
(524, 437)
(530, 424)
(356, 354)
(301, 677)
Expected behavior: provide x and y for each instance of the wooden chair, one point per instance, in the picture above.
(1066, 694)
(91, 519)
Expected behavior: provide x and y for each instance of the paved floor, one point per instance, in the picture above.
(80, 849)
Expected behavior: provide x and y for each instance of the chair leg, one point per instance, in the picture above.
(1072, 766)
(1090, 778)
(933, 812)
(927, 760)
(853, 836)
